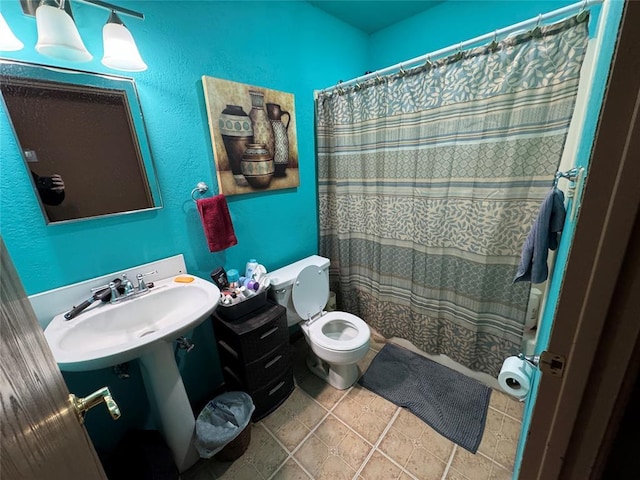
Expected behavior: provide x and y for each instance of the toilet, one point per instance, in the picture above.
(338, 340)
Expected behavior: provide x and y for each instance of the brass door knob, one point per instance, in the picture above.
(81, 405)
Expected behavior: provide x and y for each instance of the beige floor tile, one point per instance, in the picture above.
(397, 446)
(506, 453)
(408, 424)
(331, 431)
(407, 433)
(474, 467)
(244, 471)
(353, 450)
(511, 429)
(318, 389)
(380, 468)
(498, 400)
(425, 465)
(453, 474)
(294, 419)
(365, 412)
(312, 454)
(499, 473)
(491, 435)
(264, 453)
(406, 476)
(436, 444)
(515, 408)
(335, 468)
(291, 471)
(343, 442)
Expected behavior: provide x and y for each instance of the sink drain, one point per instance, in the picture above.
(147, 332)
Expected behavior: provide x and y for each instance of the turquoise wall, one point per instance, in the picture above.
(287, 46)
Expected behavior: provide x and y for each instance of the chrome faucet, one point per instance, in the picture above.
(118, 290)
(129, 290)
(142, 285)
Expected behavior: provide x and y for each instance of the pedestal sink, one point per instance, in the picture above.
(142, 327)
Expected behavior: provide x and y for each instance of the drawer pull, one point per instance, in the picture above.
(276, 388)
(224, 345)
(272, 362)
(266, 334)
(233, 375)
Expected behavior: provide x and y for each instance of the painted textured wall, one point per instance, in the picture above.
(288, 46)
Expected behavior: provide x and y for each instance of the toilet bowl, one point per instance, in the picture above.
(338, 340)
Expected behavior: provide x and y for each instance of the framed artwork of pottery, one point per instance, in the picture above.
(253, 135)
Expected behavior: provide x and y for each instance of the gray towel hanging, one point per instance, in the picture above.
(544, 236)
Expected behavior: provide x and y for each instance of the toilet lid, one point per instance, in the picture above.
(310, 292)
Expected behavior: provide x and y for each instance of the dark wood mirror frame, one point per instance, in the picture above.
(89, 129)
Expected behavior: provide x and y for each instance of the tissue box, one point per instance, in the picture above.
(247, 306)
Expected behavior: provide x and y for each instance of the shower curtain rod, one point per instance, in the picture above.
(482, 38)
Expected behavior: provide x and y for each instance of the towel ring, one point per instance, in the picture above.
(201, 187)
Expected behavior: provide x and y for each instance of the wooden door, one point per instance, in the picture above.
(41, 436)
(557, 446)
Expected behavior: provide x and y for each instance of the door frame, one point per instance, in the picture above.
(611, 202)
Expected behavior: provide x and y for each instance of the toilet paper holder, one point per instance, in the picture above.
(548, 362)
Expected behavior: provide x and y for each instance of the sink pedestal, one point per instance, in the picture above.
(166, 392)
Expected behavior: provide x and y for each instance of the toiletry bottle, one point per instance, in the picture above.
(251, 266)
(233, 277)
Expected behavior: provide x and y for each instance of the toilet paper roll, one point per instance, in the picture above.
(515, 377)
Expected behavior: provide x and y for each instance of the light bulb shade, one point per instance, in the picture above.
(8, 41)
(120, 50)
(58, 36)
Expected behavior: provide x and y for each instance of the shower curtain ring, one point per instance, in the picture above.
(402, 72)
(459, 54)
(493, 46)
(537, 31)
(428, 63)
(582, 14)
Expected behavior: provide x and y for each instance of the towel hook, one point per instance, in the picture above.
(201, 187)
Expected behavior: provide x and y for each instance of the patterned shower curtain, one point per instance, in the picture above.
(429, 180)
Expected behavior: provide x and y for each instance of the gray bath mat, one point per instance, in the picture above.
(453, 404)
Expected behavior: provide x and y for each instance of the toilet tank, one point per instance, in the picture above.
(282, 283)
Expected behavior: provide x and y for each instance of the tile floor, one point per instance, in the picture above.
(323, 433)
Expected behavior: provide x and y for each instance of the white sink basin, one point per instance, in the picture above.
(108, 334)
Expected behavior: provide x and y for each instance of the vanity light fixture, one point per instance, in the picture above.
(120, 49)
(8, 41)
(58, 35)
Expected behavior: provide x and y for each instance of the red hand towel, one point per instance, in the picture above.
(216, 222)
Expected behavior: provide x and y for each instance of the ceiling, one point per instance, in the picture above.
(371, 16)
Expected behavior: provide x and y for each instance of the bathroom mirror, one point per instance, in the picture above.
(86, 128)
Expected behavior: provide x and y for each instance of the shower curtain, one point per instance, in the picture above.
(429, 180)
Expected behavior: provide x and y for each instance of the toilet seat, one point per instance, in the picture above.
(318, 332)
(335, 331)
